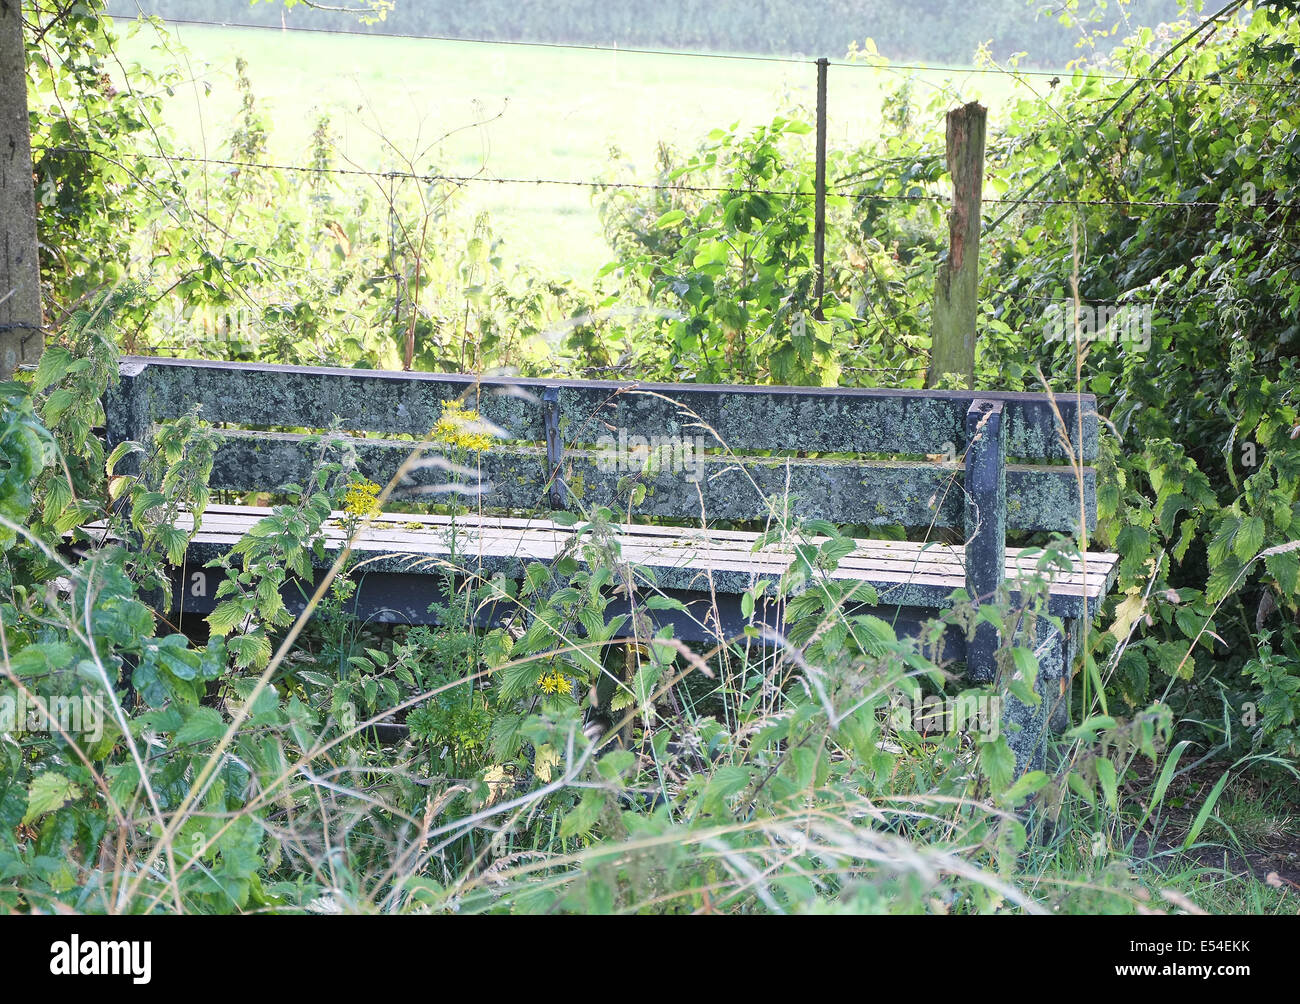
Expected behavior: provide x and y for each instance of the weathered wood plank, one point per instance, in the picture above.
(314, 397)
(875, 493)
(921, 550)
(397, 531)
(402, 530)
(504, 478)
(834, 419)
(725, 566)
(947, 567)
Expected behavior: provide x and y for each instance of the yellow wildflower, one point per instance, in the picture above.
(461, 427)
(555, 683)
(360, 500)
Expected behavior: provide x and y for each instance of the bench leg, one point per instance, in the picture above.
(1029, 728)
(985, 491)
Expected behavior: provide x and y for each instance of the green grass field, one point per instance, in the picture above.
(545, 113)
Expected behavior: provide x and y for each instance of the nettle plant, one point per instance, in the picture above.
(1172, 529)
(74, 635)
(552, 660)
(734, 263)
(257, 569)
(790, 781)
(1199, 492)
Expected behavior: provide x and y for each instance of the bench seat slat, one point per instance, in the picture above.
(217, 511)
(905, 573)
(946, 564)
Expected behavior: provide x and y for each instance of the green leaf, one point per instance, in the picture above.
(727, 781)
(659, 602)
(47, 792)
(1285, 567)
(998, 763)
(174, 654)
(1109, 785)
(1250, 538)
(250, 650)
(536, 576)
(1163, 781)
(203, 725)
(58, 496)
(1186, 534)
(584, 815)
(1080, 787)
(804, 762)
(1026, 664)
(1221, 544)
(1023, 788)
(1088, 729)
(58, 403)
(53, 366)
(1203, 816)
(615, 764)
(226, 617)
(836, 549)
(120, 451)
(1224, 578)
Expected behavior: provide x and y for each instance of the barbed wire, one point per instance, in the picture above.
(846, 190)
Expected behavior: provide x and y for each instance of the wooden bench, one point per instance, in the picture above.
(932, 461)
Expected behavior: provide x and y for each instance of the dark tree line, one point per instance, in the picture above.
(948, 30)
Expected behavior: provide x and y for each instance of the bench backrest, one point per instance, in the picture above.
(886, 457)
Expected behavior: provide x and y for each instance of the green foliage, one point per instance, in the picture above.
(805, 767)
(731, 268)
(255, 571)
(27, 451)
(280, 265)
(575, 758)
(1203, 527)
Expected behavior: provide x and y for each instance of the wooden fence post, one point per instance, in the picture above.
(956, 288)
(21, 338)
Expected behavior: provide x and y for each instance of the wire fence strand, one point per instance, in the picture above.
(466, 179)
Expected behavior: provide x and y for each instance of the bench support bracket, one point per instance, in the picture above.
(554, 445)
(986, 525)
(126, 413)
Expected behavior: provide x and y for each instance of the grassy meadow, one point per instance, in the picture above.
(507, 111)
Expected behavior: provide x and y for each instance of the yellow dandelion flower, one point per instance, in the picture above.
(461, 427)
